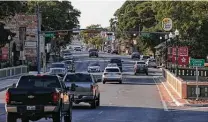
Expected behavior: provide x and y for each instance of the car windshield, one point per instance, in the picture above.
(78, 78)
(39, 81)
(94, 64)
(67, 54)
(146, 57)
(112, 70)
(115, 60)
(57, 66)
(140, 62)
(68, 62)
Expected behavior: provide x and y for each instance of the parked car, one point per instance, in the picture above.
(70, 65)
(85, 88)
(112, 74)
(58, 68)
(39, 96)
(135, 55)
(118, 61)
(77, 48)
(94, 67)
(145, 58)
(93, 52)
(140, 67)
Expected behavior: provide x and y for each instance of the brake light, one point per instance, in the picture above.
(39, 75)
(7, 97)
(56, 97)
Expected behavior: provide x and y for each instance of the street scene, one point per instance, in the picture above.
(142, 65)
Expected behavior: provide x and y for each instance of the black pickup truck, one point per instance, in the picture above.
(39, 96)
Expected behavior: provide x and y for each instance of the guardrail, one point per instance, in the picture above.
(13, 71)
(191, 72)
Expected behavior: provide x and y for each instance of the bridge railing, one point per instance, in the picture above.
(13, 71)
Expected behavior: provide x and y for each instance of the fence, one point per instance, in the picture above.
(13, 71)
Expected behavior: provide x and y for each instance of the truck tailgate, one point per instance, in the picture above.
(36, 96)
(82, 88)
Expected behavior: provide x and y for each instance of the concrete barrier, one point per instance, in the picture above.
(177, 84)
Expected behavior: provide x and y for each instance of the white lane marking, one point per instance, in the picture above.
(116, 120)
(100, 112)
(163, 102)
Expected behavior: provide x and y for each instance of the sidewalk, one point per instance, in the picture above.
(181, 102)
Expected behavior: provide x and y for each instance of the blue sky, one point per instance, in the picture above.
(96, 11)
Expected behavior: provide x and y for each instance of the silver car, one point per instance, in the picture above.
(112, 74)
(68, 56)
(58, 69)
(94, 67)
(84, 87)
(151, 63)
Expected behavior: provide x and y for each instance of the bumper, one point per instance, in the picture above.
(112, 79)
(38, 109)
(83, 98)
(141, 70)
(93, 70)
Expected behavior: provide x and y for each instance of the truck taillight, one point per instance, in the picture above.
(7, 97)
(56, 97)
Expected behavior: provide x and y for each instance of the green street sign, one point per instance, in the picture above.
(49, 35)
(197, 62)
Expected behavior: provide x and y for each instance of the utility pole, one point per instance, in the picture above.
(38, 38)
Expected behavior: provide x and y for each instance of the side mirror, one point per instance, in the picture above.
(98, 80)
(73, 87)
(13, 85)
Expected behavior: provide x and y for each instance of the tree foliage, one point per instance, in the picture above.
(189, 17)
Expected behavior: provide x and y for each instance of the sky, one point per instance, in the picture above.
(96, 11)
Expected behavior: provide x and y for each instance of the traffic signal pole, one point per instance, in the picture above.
(38, 39)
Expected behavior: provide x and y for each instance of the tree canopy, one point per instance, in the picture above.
(189, 17)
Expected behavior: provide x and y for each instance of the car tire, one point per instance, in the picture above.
(103, 82)
(25, 120)
(57, 117)
(120, 82)
(135, 73)
(146, 73)
(68, 117)
(11, 118)
(98, 101)
(93, 104)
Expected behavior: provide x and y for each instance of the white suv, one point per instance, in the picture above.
(112, 74)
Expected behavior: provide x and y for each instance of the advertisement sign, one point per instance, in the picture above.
(167, 24)
(4, 53)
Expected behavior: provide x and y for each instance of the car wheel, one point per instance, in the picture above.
(68, 117)
(98, 101)
(103, 82)
(93, 104)
(120, 82)
(25, 120)
(11, 118)
(135, 73)
(146, 73)
(57, 117)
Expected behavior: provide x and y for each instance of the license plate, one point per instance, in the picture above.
(30, 108)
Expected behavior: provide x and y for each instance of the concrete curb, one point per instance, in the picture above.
(182, 104)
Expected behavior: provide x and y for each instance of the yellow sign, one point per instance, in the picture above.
(167, 24)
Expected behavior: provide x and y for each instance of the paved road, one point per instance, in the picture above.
(137, 100)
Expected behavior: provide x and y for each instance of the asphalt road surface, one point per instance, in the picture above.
(136, 100)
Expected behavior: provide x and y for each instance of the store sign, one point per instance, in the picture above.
(167, 24)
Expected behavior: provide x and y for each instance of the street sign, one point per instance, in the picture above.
(197, 62)
(167, 24)
(51, 35)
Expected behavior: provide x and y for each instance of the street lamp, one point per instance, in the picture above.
(177, 40)
(166, 51)
(9, 39)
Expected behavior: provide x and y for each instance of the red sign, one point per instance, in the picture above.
(183, 51)
(173, 50)
(182, 60)
(4, 53)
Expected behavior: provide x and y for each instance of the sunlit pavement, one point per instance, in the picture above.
(136, 100)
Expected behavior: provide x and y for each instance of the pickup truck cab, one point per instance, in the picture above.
(39, 96)
(85, 88)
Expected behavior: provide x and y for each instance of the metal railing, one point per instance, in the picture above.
(13, 71)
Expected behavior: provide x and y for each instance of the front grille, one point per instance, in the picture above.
(55, 71)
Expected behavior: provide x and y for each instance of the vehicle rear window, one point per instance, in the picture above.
(78, 78)
(68, 62)
(115, 61)
(146, 57)
(140, 62)
(39, 81)
(57, 66)
(112, 70)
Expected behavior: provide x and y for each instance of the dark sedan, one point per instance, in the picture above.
(135, 55)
